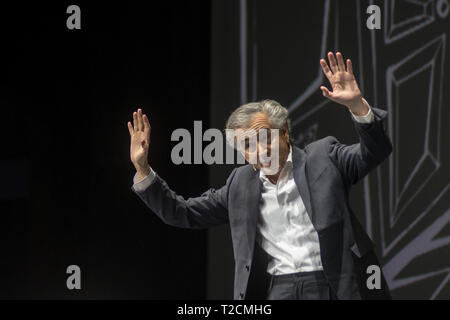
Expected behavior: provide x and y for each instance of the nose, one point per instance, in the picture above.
(264, 150)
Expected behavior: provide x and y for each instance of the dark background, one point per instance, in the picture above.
(66, 95)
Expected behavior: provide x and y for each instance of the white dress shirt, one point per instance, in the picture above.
(284, 229)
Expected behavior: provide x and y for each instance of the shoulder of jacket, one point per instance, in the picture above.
(321, 143)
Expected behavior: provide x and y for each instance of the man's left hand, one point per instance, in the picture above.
(343, 82)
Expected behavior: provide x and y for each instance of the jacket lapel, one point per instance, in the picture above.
(253, 189)
(299, 163)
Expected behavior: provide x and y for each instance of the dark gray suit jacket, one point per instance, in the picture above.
(324, 172)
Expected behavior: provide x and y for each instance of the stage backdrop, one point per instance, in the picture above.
(265, 49)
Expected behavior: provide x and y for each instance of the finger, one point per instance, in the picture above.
(140, 121)
(349, 66)
(147, 127)
(130, 128)
(326, 69)
(135, 121)
(340, 60)
(332, 61)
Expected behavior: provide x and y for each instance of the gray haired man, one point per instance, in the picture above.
(299, 213)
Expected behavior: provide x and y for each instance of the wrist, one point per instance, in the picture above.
(143, 170)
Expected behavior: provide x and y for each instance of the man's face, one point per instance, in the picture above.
(264, 147)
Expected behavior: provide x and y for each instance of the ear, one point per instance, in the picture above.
(285, 132)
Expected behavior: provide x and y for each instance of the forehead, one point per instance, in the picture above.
(259, 121)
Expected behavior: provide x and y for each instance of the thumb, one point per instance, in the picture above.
(325, 92)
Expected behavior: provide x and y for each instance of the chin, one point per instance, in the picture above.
(268, 171)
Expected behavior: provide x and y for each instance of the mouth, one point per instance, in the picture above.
(266, 164)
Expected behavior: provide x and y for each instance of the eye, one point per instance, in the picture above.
(246, 143)
(249, 145)
(265, 135)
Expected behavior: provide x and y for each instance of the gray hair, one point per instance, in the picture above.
(277, 115)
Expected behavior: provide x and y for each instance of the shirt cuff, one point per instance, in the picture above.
(367, 118)
(142, 184)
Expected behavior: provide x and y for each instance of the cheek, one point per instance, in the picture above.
(274, 149)
(279, 150)
(247, 155)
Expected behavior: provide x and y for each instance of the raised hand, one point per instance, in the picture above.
(343, 83)
(140, 142)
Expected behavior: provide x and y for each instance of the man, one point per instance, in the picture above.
(299, 214)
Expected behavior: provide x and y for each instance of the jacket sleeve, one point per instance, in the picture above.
(357, 160)
(209, 209)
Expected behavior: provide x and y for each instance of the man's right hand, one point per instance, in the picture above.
(140, 142)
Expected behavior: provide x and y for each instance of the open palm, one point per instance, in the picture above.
(140, 139)
(343, 82)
